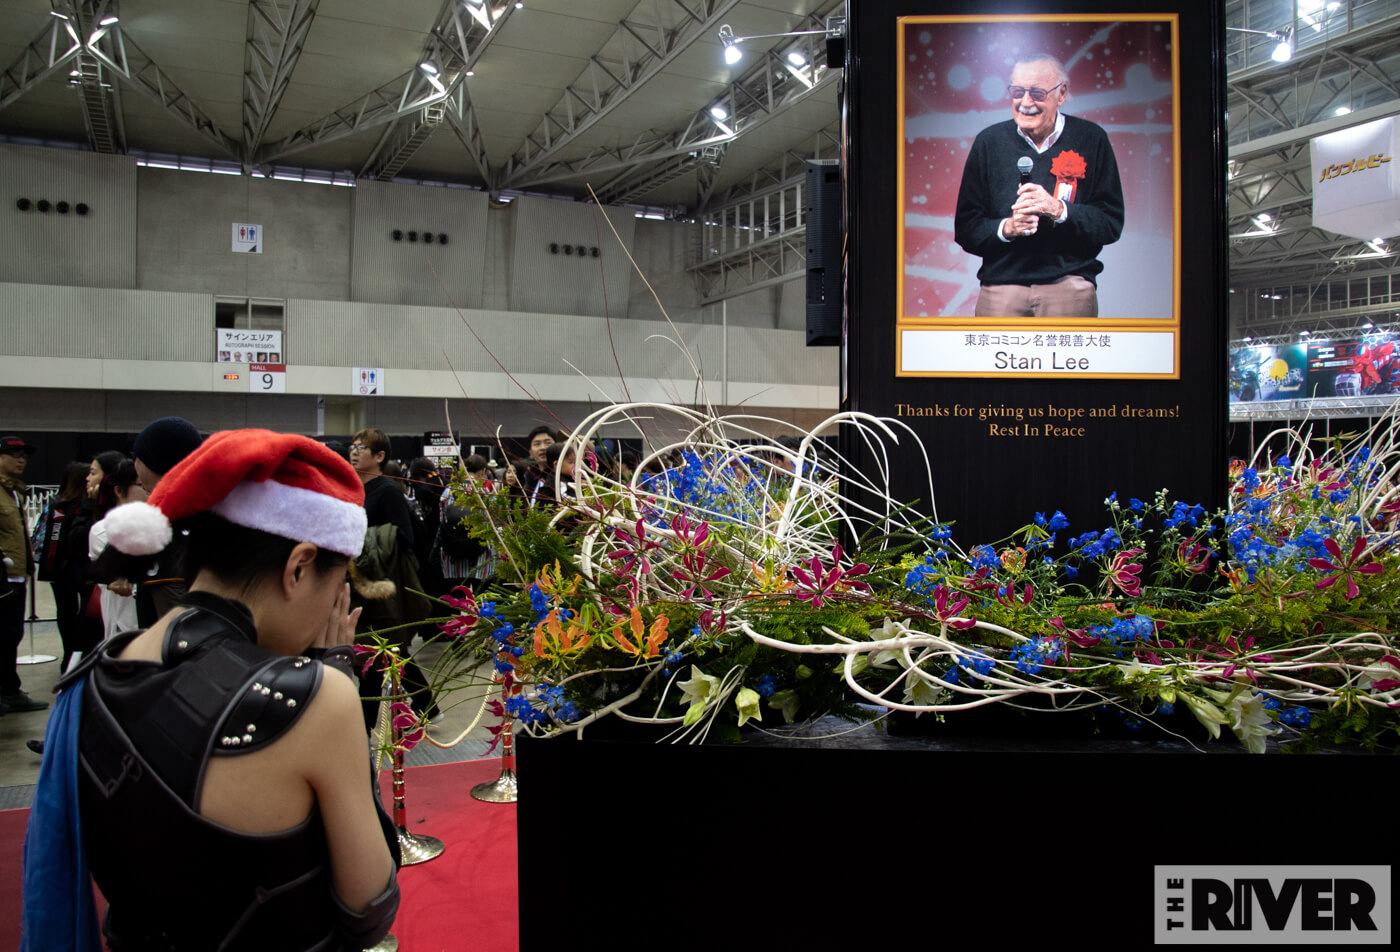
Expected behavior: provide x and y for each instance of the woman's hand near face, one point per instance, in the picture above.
(340, 626)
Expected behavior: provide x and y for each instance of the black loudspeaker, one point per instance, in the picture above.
(821, 210)
(836, 52)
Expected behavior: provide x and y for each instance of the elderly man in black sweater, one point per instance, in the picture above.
(1040, 197)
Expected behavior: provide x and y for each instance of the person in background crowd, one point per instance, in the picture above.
(118, 598)
(384, 502)
(539, 441)
(19, 565)
(223, 798)
(160, 580)
(563, 463)
(385, 505)
(57, 565)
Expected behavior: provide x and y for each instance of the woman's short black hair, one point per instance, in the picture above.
(239, 556)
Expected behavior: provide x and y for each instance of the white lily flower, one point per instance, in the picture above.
(1250, 721)
(700, 688)
(919, 691)
(890, 629)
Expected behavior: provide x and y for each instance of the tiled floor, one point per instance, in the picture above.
(19, 767)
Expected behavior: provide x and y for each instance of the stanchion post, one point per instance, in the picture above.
(33, 657)
(504, 789)
(414, 847)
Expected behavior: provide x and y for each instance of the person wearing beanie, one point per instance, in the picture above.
(160, 580)
(224, 799)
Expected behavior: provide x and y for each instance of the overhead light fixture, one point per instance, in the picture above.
(470, 72)
(1367, 326)
(835, 29)
(1305, 333)
(1342, 110)
(796, 58)
(107, 21)
(428, 68)
(719, 112)
(1283, 52)
(1248, 340)
(732, 53)
(61, 16)
(519, 4)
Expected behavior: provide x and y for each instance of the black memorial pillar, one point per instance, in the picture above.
(1019, 413)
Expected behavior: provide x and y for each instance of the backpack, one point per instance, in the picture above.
(50, 544)
(453, 537)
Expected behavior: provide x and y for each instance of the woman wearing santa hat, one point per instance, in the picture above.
(211, 771)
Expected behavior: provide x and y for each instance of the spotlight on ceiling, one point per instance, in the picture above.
(1283, 52)
(835, 31)
(428, 68)
(107, 21)
(719, 112)
(732, 53)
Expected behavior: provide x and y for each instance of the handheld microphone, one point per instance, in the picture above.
(1023, 165)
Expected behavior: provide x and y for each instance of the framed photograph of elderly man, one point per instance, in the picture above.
(1039, 195)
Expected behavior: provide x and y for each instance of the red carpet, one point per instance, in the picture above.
(465, 899)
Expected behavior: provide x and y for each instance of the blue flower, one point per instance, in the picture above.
(539, 602)
(1071, 571)
(1136, 505)
(766, 686)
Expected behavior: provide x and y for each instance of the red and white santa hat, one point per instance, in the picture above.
(287, 485)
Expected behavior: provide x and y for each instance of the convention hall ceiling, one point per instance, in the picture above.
(631, 97)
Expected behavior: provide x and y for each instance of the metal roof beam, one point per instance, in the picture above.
(277, 31)
(561, 125)
(749, 111)
(456, 41)
(110, 45)
(57, 44)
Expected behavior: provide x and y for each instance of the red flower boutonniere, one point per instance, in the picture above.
(1068, 169)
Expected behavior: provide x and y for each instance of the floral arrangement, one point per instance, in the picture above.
(710, 592)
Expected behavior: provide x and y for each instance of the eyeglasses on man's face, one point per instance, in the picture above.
(1037, 94)
(358, 448)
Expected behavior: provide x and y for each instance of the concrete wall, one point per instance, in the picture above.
(418, 272)
(94, 250)
(184, 229)
(542, 281)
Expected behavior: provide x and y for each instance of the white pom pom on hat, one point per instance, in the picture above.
(287, 485)
(141, 528)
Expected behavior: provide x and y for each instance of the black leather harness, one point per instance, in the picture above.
(173, 879)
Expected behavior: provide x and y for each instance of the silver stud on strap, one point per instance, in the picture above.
(291, 702)
(182, 643)
(252, 727)
(277, 696)
(247, 738)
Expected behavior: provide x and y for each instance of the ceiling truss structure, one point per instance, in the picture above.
(277, 31)
(766, 90)
(455, 43)
(635, 53)
(755, 236)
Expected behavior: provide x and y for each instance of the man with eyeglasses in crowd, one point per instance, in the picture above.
(1040, 197)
